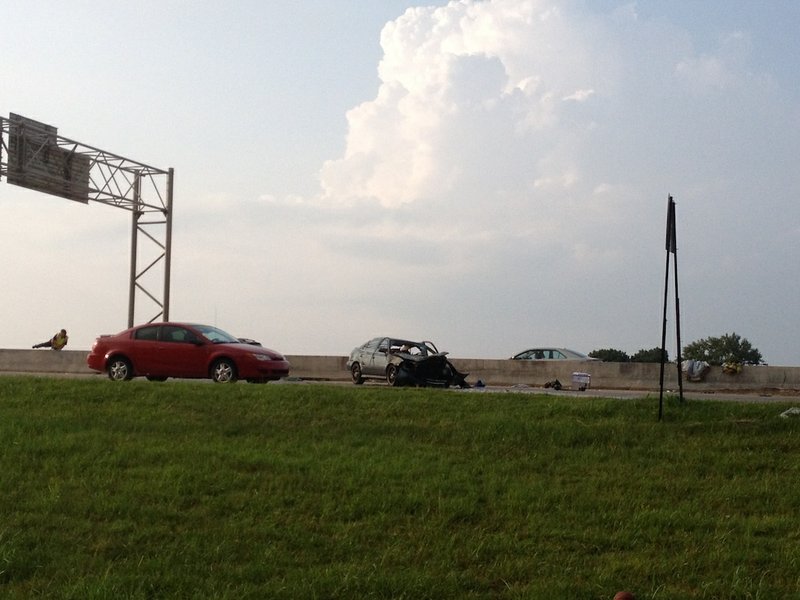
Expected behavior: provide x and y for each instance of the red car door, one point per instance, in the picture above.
(142, 348)
(182, 353)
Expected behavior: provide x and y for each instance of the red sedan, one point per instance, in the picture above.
(187, 350)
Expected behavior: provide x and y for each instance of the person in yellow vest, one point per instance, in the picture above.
(57, 342)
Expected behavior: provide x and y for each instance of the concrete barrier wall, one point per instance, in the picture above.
(44, 361)
(622, 376)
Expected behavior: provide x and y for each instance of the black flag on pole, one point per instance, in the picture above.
(671, 246)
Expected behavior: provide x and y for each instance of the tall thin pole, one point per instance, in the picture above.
(677, 303)
(168, 245)
(135, 214)
(669, 241)
(672, 248)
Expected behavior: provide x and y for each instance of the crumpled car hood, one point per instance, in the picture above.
(433, 369)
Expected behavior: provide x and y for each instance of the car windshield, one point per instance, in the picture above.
(413, 348)
(551, 354)
(216, 336)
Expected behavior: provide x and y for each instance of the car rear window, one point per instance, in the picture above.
(146, 333)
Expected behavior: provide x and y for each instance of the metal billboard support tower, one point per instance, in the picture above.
(34, 156)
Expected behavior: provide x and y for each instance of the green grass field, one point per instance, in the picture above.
(195, 490)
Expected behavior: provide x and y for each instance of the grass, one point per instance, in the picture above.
(193, 490)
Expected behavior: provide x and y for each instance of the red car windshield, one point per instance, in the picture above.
(216, 336)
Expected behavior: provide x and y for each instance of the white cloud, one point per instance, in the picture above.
(514, 142)
(580, 95)
(503, 184)
(485, 77)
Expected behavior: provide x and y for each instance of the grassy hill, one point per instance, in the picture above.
(195, 490)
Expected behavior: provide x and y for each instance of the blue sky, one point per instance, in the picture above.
(491, 175)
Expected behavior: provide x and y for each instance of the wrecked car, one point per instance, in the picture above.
(403, 362)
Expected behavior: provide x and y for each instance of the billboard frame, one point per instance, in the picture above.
(144, 191)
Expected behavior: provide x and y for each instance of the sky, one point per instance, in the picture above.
(491, 175)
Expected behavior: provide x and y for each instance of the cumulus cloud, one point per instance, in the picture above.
(465, 89)
(528, 148)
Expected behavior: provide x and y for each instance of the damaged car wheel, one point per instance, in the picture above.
(392, 375)
(355, 372)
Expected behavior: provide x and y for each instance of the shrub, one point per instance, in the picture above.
(610, 355)
(728, 348)
(650, 356)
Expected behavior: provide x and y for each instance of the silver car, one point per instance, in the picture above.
(552, 354)
(403, 362)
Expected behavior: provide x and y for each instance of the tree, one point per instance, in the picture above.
(610, 355)
(728, 348)
(650, 356)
